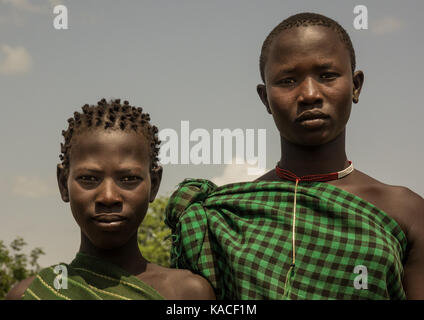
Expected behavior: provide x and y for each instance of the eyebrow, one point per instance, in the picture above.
(326, 65)
(288, 70)
(88, 170)
(97, 171)
(129, 170)
(284, 71)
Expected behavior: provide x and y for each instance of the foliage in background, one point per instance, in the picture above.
(153, 234)
(14, 264)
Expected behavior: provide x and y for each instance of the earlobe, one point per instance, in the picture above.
(62, 181)
(155, 178)
(261, 89)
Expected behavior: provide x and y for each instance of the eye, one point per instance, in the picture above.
(329, 76)
(130, 179)
(287, 81)
(130, 182)
(87, 181)
(87, 178)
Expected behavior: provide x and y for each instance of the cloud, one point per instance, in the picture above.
(54, 3)
(15, 12)
(16, 60)
(33, 187)
(23, 5)
(386, 25)
(12, 18)
(237, 173)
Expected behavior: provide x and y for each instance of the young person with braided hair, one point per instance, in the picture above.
(314, 227)
(109, 173)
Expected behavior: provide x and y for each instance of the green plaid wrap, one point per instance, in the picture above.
(89, 278)
(239, 237)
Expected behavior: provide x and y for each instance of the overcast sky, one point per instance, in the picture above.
(193, 61)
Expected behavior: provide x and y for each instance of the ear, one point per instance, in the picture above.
(62, 181)
(261, 89)
(358, 81)
(155, 178)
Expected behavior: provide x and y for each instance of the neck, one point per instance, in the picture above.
(127, 257)
(306, 160)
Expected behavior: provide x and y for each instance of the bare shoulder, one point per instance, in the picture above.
(177, 284)
(401, 203)
(18, 290)
(190, 286)
(412, 211)
(394, 194)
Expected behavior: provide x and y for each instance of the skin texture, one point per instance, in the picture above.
(308, 70)
(110, 175)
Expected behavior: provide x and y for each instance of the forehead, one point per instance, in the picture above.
(110, 147)
(308, 42)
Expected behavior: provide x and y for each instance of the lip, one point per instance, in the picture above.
(312, 119)
(109, 222)
(313, 124)
(108, 218)
(311, 115)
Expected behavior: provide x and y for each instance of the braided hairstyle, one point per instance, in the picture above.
(110, 115)
(305, 19)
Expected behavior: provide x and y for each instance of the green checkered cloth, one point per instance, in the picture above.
(239, 237)
(88, 278)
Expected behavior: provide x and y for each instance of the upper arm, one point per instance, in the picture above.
(18, 290)
(413, 280)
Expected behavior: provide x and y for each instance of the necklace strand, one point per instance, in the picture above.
(288, 175)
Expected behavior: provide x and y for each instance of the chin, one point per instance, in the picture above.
(109, 240)
(311, 140)
(314, 142)
(318, 137)
(108, 244)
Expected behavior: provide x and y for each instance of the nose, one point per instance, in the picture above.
(309, 93)
(108, 198)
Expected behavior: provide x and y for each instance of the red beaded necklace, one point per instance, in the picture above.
(288, 175)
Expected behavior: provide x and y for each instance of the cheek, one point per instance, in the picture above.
(340, 97)
(343, 91)
(81, 201)
(138, 199)
(76, 194)
(280, 103)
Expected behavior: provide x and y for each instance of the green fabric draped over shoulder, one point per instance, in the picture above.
(239, 237)
(88, 278)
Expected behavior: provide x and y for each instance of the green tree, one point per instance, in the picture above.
(153, 234)
(16, 266)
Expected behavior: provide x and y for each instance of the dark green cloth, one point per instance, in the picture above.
(239, 237)
(90, 278)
